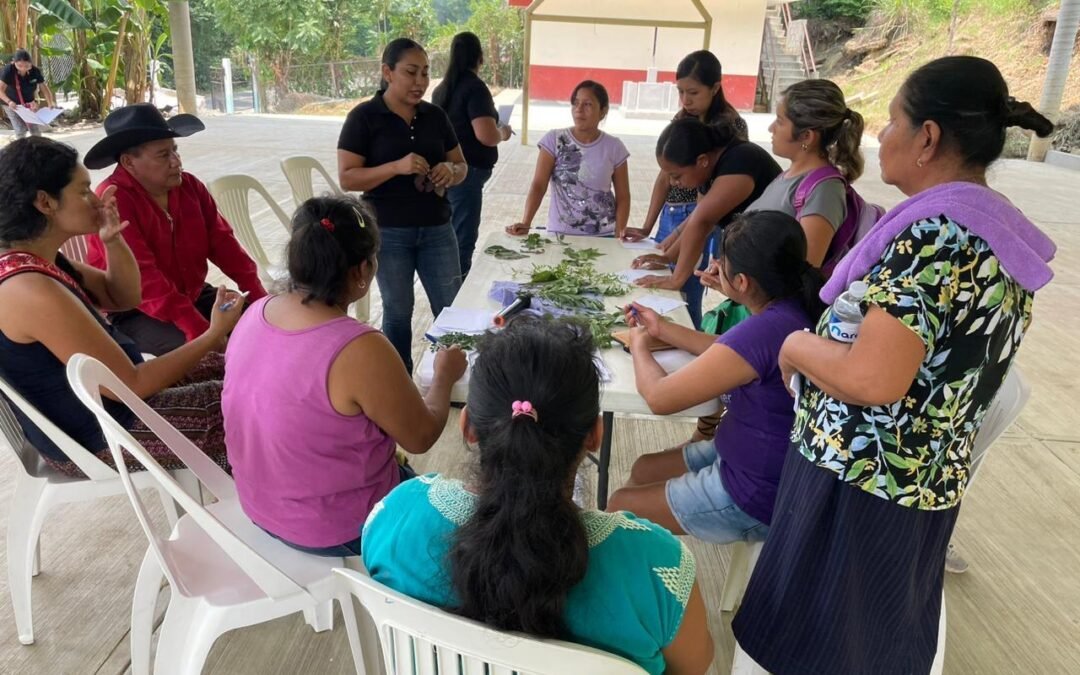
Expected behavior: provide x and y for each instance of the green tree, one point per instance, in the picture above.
(277, 31)
(501, 32)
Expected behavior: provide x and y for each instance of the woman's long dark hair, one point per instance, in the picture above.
(465, 56)
(770, 248)
(968, 98)
(704, 67)
(514, 561)
(330, 236)
(686, 139)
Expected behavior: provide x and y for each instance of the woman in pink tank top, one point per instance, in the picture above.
(316, 402)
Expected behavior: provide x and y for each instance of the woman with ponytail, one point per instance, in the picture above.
(315, 402)
(509, 548)
(701, 96)
(728, 174)
(850, 578)
(471, 109)
(820, 135)
(722, 490)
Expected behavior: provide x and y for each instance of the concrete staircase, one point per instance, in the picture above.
(782, 62)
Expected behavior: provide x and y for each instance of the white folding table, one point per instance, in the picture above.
(619, 394)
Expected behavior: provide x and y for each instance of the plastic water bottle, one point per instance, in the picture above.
(845, 316)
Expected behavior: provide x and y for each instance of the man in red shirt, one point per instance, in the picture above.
(175, 228)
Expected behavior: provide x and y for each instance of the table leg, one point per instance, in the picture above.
(605, 461)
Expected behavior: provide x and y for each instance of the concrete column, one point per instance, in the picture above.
(1057, 71)
(183, 55)
(226, 80)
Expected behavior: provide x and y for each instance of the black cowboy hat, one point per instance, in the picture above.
(134, 125)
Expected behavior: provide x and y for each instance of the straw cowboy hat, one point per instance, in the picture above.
(134, 125)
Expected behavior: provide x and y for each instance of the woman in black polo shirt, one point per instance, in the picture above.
(402, 153)
(19, 82)
(468, 103)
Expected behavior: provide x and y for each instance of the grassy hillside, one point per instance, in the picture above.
(1012, 39)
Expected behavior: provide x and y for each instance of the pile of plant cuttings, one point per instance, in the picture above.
(574, 285)
(466, 341)
(533, 244)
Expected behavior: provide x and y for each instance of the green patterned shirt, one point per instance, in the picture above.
(948, 287)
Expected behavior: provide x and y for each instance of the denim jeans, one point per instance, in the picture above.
(431, 253)
(701, 504)
(467, 199)
(671, 216)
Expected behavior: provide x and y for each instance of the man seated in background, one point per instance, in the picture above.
(175, 228)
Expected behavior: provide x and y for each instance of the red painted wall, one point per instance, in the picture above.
(519, 3)
(555, 83)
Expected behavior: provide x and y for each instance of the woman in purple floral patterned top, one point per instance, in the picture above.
(582, 163)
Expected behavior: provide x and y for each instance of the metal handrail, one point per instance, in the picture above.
(768, 40)
(807, 49)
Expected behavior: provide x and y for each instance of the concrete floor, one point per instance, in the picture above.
(1016, 611)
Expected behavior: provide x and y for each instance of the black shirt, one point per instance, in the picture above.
(471, 99)
(27, 84)
(380, 136)
(743, 158)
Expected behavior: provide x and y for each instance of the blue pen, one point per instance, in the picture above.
(226, 306)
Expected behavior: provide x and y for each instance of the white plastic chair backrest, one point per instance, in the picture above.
(231, 194)
(298, 172)
(75, 249)
(420, 639)
(1011, 398)
(94, 468)
(87, 376)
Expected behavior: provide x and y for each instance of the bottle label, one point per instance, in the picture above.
(842, 331)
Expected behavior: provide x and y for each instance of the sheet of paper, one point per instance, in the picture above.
(659, 303)
(630, 276)
(47, 115)
(504, 114)
(643, 245)
(458, 320)
(28, 115)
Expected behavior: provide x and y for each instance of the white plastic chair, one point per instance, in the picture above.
(39, 487)
(224, 571)
(1011, 398)
(298, 171)
(418, 639)
(231, 193)
(75, 249)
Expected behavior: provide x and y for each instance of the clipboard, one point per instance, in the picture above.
(653, 344)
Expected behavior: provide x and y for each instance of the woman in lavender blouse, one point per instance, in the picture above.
(582, 164)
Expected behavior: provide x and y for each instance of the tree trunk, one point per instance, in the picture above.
(117, 53)
(22, 19)
(89, 89)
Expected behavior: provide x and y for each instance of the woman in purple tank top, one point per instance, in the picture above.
(315, 402)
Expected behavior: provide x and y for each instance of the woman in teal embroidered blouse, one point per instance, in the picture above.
(508, 547)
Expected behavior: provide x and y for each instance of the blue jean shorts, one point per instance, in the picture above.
(703, 507)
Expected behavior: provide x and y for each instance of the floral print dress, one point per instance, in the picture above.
(947, 287)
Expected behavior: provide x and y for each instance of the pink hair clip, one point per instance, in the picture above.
(327, 224)
(524, 408)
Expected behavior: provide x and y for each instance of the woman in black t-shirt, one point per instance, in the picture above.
(728, 173)
(19, 82)
(402, 153)
(468, 103)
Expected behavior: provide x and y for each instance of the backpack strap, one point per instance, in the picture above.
(810, 182)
